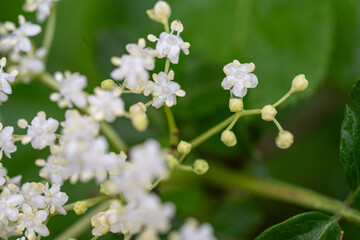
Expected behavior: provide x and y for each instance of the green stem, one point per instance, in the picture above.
(288, 94)
(113, 137)
(236, 118)
(48, 80)
(278, 125)
(173, 129)
(282, 191)
(212, 131)
(82, 224)
(167, 65)
(50, 32)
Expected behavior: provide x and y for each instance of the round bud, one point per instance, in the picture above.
(200, 166)
(184, 147)
(236, 105)
(80, 207)
(140, 121)
(172, 161)
(22, 123)
(107, 84)
(162, 10)
(299, 83)
(108, 188)
(284, 139)
(228, 138)
(268, 113)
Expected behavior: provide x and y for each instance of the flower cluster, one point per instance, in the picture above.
(25, 208)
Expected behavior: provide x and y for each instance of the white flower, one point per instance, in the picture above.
(3, 175)
(9, 206)
(5, 78)
(71, 90)
(3, 97)
(164, 90)
(55, 169)
(18, 39)
(33, 222)
(239, 78)
(6, 144)
(169, 45)
(133, 68)
(54, 199)
(41, 132)
(191, 231)
(106, 105)
(43, 8)
(32, 63)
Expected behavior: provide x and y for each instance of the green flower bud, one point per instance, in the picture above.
(284, 140)
(228, 138)
(184, 147)
(108, 84)
(80, 207)
(268, 113)
(200, 166)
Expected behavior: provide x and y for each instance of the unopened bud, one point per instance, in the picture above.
(228, 138)
(22, 123)
(80, 207)
(108, 84)
(172, 161)
(160, 13)
(184, 147)
(299, 83)
(200, 166)
(268, 113)
(236, 105)
(140, 121)
(284, 139)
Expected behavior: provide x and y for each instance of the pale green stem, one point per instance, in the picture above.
(166, 26)
(167, 65)
(127, 236)
(82, 224)
(282, 191)
(95, 238)
(236, 118)
(173, 129)
(288, 94)
(113, 137)
(149, 103)
(212, 131)
(49, 32)
(278, 125)
(185, 168)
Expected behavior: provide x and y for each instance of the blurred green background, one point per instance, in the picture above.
(282, 37)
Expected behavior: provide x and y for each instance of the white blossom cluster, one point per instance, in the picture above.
(25, 208)
(141, 210)
(191, 230)
(81, 154)
(78, 152)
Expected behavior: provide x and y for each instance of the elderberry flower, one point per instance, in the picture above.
(133, 67)
(5, 78)
(169, 45)
(31, 64)
(54, 199)
(41, 132)
(33, 222)
(106, 105)
(43, 8)
(239, 78)
(191, 230)
(71, 90)
(18, 38)
(164, 90)
(3, 175)
(6, 144)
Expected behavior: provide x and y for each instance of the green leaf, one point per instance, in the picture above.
(309, 226)
(350, 139)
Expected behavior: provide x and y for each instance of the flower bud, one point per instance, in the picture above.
(200, 166)
(108, 188)
(268, 113)
(172, 161)
(284, 139)
(184, 147)
(80, 207)
(140, 121)
(228, 138)
(236, 105)
(160, 13)
(299, 83)
(107, 84)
